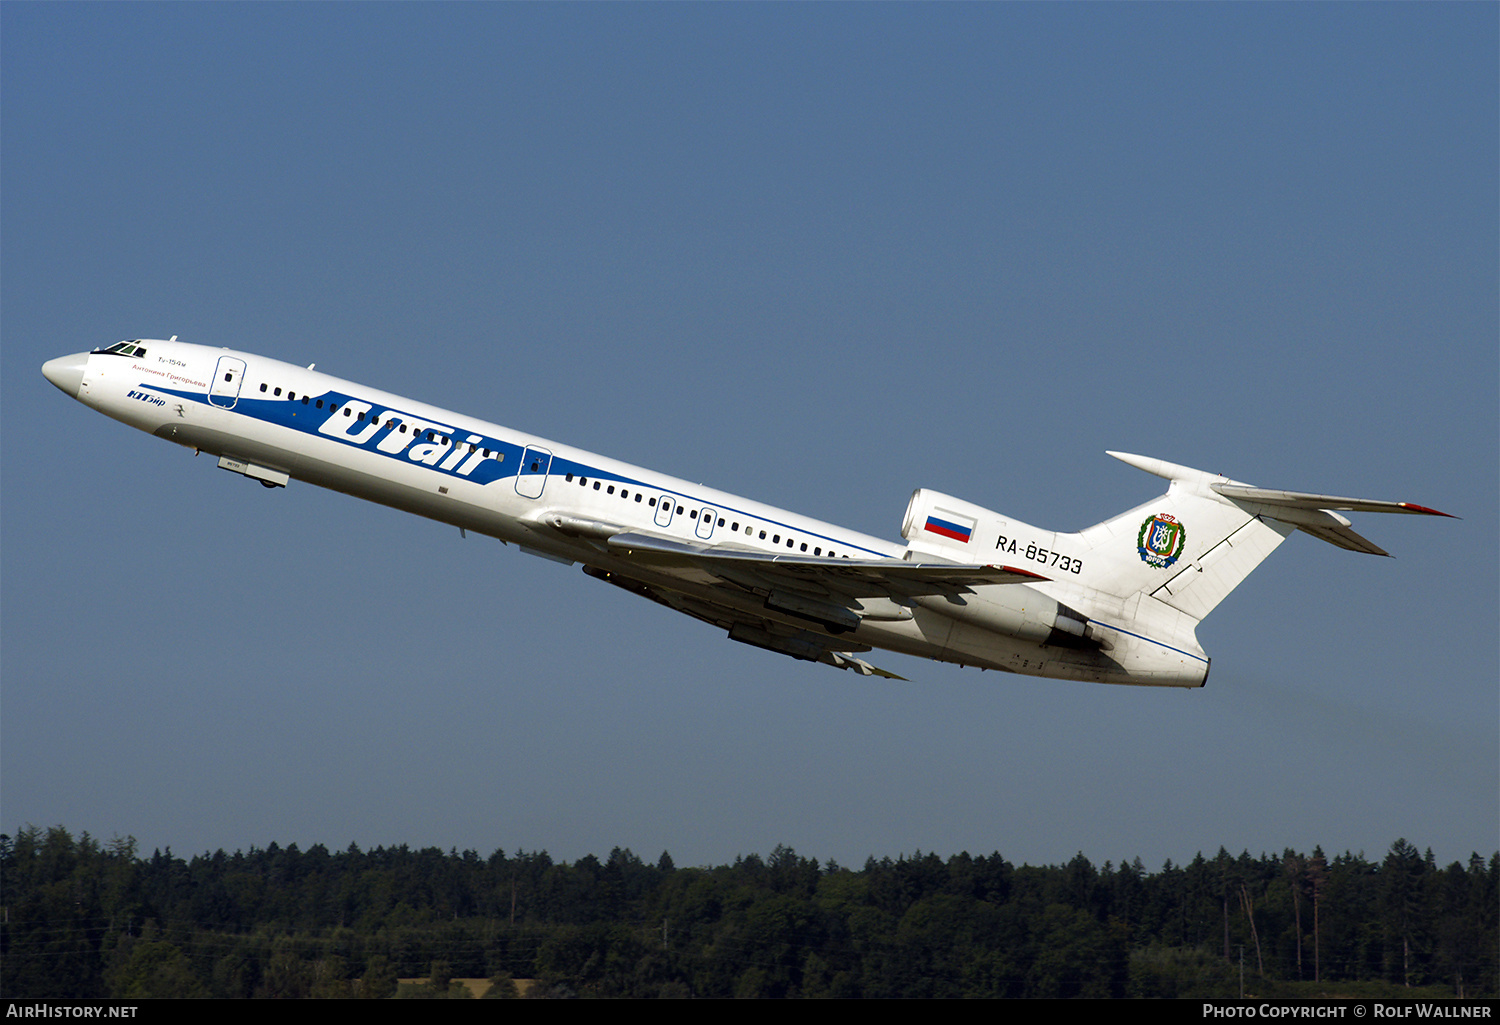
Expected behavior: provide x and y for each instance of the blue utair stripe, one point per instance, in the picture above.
(284, 413)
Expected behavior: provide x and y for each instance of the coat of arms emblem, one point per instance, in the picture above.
(1161, 540)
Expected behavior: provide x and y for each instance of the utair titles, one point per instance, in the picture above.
(421, 441)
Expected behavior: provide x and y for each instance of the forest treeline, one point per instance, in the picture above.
(80, 918)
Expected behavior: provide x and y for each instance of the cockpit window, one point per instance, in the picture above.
(132, 347)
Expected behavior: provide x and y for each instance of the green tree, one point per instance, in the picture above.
(1401, 892)
(380, 979)
(155, 969)
(502, 987)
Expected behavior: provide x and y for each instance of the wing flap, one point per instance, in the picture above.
(755, 631)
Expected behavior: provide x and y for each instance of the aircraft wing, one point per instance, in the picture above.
(850, 578)
(748, 628)
(896, 579)
(835, 593)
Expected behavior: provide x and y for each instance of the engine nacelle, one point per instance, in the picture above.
(1021, 612)
(939, 524)
(952, 529)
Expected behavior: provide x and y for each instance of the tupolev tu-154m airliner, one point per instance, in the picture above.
(1118, 602)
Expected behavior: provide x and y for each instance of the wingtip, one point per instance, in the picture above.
(1413, 507)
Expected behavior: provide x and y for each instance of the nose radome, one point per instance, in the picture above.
(66, 372)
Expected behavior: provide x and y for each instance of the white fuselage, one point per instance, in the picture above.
(275, 421)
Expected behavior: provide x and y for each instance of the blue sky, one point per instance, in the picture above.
(818, 255)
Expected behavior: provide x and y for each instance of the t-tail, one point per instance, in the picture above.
(1134, 587)
(1197, 542)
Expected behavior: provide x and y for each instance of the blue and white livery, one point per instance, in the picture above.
(1118, 602)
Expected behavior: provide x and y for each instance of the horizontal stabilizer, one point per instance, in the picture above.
(1342, 536)
(1302, 500)
(1316, 515)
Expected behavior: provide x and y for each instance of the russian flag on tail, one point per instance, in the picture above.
(957, 528)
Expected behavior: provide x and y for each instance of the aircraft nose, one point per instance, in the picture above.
(66, 372)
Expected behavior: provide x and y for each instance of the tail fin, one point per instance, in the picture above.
(1194, 545)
